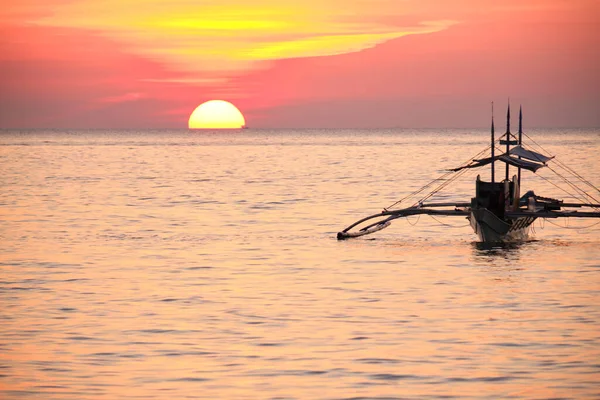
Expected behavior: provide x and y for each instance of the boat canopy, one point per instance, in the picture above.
(530, 155)
(506, 158)
(516, 162)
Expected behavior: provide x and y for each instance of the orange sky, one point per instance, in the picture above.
(314, 63)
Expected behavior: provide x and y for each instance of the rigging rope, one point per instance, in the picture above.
(571, 227)
(580, 191)
(416, 222)
(555, 185)
(442, 186)
(564, 165)
(445, 183)
(567, 168)
(418, 191)
(449, 225)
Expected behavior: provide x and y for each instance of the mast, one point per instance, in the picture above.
(507, 136)
(520, 139)
(493, 146)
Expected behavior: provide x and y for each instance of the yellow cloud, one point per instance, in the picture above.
(325, 45)
(193, 36)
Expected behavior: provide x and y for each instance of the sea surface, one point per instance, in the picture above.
(204, 265)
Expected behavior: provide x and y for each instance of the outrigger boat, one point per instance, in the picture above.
(497, 213)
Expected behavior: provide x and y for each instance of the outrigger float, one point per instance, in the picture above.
(497, 213)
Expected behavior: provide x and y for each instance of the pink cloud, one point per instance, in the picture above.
(131, 96)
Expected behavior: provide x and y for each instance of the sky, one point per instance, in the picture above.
(299, 64)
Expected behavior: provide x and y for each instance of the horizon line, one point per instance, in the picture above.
(276, 128)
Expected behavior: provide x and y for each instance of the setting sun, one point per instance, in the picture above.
(216, 114)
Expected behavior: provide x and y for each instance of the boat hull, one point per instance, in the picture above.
(491, 229)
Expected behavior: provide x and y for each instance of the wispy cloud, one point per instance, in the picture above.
(188, 81)
(122, 98)
(230, 35)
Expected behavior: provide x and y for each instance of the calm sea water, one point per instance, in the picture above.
(168, 264)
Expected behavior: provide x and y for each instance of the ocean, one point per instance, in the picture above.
(171, 264)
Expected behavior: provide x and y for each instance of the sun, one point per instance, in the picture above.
(216, 114)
